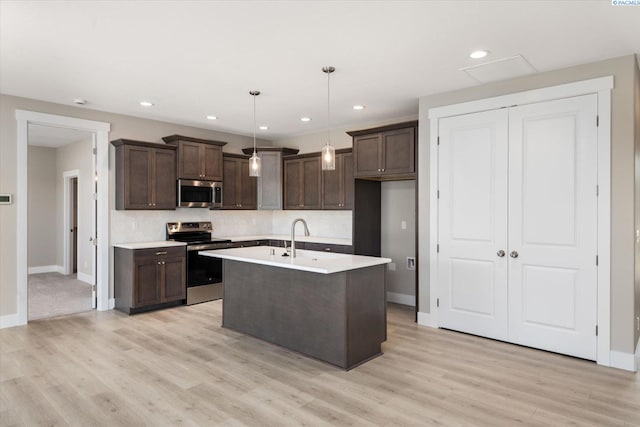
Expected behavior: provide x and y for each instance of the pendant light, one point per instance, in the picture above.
(254, 161)
(328, 151)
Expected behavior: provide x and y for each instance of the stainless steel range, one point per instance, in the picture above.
(204, 274)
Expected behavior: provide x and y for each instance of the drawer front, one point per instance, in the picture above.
(161, 252)
(323, 247)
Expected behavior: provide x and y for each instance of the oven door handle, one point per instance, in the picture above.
(192, 248)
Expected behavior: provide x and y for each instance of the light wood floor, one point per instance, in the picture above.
(178, 366)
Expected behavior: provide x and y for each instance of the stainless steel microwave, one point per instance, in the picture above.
(199, 194)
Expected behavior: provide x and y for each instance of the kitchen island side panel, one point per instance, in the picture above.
(366, 313)
(302, 311)
(339, 318)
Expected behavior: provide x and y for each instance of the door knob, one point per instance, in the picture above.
(513, 254)
(500, 253)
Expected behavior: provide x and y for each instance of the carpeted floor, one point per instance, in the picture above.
(54, 294)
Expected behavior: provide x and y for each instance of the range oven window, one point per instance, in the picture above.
(203, 270)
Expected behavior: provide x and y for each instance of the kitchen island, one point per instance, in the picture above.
(326, 305)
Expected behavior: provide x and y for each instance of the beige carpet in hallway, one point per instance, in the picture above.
(54, 294)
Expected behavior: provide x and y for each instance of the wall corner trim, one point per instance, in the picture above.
(621, 360)
(424, 319)
(9, 321)
(404, 299)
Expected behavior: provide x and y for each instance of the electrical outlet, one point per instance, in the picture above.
(392, 266)
(411, 263)
(403, 225)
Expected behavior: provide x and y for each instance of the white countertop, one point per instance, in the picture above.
(314, 239)
(149, 245)
(312, 261)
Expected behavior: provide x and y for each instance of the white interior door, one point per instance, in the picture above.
(473, 223)
(553, 225)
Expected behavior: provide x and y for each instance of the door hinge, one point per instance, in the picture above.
(438, 248)
(596, 330)
(597, 121)
(438, 194)
(93, 288)
(596, 260)
(437, 302)
(597, 190)
(94, 150)
(95, 196)
(438, 140)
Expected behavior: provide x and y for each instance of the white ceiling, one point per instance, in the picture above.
(202, 57)
(54, 137)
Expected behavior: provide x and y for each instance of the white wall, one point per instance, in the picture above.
(77, 156)
(42, 209)
(398, 202)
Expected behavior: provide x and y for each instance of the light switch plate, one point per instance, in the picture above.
(411, 263)
(5, 199)
(403, 225)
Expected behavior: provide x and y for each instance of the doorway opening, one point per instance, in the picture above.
(96, 258)
(61, 221)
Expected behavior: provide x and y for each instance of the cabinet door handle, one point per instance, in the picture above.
(161, 253)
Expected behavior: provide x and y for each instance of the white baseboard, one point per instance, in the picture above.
(85, 278)
(626, 361)
(403, 299)
(424, 319)
(46, 269)
(9, 321)
(112, 303)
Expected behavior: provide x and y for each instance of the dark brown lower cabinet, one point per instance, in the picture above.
(145, 279)
(325, 247)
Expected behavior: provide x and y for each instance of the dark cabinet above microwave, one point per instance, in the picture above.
(145, 175)
(198, 159)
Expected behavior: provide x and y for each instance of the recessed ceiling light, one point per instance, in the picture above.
(305, 119)
(146, 103)
(212, 117)
(264, 127)
(79, 101)
(478, 54)
(358, 107)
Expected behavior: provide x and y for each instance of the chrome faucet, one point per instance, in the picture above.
(293, 234)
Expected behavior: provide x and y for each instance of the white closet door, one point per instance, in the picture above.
(473, 223)
(553, 225)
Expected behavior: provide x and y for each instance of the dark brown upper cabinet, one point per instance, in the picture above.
(198, 159)
(240, 189)
(385, 153)
(338, 184)
(145, 175)
(303, 182)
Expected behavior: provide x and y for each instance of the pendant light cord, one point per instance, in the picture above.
(328, 108)
(254, 124)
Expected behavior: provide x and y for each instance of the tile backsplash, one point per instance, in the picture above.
(320, 223)
(143, 226)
